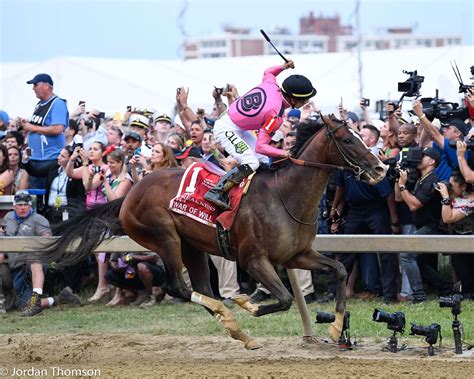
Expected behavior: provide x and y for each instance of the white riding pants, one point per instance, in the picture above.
(239, 143)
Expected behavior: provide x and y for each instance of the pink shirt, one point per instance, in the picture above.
(262, 105)
(95, 196)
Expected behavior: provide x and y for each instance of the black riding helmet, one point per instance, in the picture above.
(299, 87)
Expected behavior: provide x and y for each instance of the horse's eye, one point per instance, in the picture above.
(346, 140)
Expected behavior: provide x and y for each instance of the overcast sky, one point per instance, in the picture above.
(34, 30)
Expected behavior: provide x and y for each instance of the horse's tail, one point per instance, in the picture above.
(92, 226)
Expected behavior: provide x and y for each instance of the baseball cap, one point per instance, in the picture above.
(458, 124)
(190, 152)
(22, 197)
(209, 121)
(294, 113)
(41, 78)
(4, 117)
(432, 153)
(133, 135)
(161, 117)
(353, 116)
(139, 121)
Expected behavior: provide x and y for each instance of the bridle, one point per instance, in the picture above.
(351, 166)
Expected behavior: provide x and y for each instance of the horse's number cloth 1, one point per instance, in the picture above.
(190, 201)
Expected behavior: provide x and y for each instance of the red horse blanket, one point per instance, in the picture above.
(190, 201)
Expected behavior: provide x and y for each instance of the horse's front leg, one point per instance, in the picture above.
(226, 318)
(263, 272)
(312, 260)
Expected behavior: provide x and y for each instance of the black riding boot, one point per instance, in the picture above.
(218, 195)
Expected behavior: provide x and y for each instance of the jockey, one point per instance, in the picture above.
(259, 109)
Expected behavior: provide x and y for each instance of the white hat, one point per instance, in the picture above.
(139, 121)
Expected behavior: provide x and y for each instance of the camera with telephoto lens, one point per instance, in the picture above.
(446, 183)
(410, 159)
(90, 124)
(395, 321)
(411, 86)
(430, 332)
(469, 144)
(327, 318)
(453, 301)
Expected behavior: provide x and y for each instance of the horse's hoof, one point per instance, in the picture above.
(252, 345)
(335, 328)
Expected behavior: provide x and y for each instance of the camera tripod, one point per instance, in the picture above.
(393, 344)
(457, 333)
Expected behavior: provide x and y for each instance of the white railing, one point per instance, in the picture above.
(323, 243)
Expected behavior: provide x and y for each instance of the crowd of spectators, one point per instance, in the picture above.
(87, 157)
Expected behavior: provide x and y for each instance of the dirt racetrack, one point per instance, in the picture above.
(139, 356)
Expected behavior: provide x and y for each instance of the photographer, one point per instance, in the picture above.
(62, 186)
(458, 211)
(92, 129)
(451, 130)
(424, 202)
(135, 272)
(466, 166)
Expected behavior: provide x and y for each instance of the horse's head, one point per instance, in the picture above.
(349, 150)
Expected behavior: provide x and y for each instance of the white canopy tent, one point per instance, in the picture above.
(110, 84)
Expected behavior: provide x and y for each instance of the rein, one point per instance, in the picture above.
(356, 169)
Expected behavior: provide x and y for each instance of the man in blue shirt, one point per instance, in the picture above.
(46, 129)
(451, 130)
(369, 210)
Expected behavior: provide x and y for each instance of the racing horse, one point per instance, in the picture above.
(275, 224)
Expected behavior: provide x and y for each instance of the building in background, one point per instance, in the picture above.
(316, 35)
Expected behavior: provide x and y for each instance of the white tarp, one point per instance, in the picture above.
(110, 84)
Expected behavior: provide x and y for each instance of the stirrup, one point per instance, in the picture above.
(216, 197)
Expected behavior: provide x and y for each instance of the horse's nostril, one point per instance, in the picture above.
(380, 169)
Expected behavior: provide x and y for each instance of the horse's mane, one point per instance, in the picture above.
(304, 131)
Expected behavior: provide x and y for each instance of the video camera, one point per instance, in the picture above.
(411, 86)
(434, 107)
(463, 88)
(410, 158)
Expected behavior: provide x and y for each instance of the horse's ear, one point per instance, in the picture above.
(327, 119)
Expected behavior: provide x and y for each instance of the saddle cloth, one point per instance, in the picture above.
(189, 201)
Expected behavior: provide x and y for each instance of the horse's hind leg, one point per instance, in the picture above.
(198, 268)
(312, 260)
